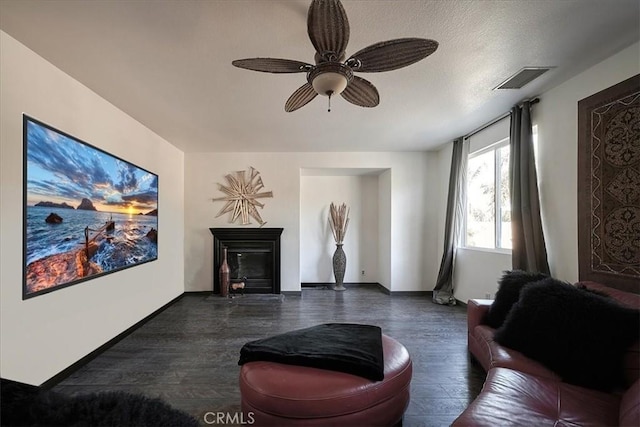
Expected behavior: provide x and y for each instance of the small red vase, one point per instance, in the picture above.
(224, 275)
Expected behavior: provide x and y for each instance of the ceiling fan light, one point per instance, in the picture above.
(329, 83)
(330, 78)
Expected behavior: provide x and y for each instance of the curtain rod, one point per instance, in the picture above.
(496, 120)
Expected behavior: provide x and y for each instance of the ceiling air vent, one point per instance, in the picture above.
(522, 77)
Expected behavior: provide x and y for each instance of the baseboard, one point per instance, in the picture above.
(383, 289)
(330, 285)
(405, 293)
(378, 285)
(54, 380)
(201, 293)
(326, 285)
(412, 293)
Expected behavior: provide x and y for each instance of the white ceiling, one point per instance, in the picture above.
(168, 64)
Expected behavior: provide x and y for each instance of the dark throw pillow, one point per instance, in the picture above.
(508, 293)
(580, 335)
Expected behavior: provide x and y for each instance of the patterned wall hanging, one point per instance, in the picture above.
(242, 190)
(609, 186)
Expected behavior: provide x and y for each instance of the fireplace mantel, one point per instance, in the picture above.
(260, 246)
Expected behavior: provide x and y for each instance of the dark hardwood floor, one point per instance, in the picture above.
(188, 354)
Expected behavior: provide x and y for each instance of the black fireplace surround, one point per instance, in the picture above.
(252, 253)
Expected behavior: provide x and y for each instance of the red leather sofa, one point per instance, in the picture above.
(520, 391)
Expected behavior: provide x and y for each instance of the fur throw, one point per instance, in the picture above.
(25, 405)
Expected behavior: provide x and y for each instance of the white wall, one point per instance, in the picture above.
(42, 336)
(477, 271)
(360, 193)
(557, 119)
(280, 172)
(368, 236)
(384, 230)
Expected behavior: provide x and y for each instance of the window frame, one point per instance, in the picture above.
(497, 225)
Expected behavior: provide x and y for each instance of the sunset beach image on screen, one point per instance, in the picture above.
(86, 212)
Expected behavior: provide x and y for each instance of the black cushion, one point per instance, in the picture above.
(508, 293)
(345, 347)
(580, 335)
(25, 405)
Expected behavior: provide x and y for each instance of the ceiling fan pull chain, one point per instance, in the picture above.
(329, 93)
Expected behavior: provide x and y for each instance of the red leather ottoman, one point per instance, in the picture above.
(288, 395)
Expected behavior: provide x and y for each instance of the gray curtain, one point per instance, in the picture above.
(529, 252)
(443, 291)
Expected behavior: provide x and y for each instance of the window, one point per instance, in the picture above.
(488, 211)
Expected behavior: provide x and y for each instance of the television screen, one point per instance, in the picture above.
(87, 213)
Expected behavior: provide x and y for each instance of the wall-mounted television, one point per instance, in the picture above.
(87, 213)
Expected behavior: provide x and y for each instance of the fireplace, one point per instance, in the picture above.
(252, 253)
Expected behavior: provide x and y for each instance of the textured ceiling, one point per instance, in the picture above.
(168, 64)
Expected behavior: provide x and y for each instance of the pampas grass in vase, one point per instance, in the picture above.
(339, 222)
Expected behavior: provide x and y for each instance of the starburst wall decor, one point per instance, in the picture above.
(241, 194)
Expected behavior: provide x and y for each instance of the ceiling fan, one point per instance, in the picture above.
(328, 29)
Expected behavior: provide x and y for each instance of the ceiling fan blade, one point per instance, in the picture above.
(328, 28)
(273, 65)
(391, 55)
(361, 92)
(300, 98)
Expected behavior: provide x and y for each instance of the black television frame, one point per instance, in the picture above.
(25, 190)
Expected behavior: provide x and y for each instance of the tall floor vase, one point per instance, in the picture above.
(339, 266)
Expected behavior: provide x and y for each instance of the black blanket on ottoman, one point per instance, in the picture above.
(344, 347)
